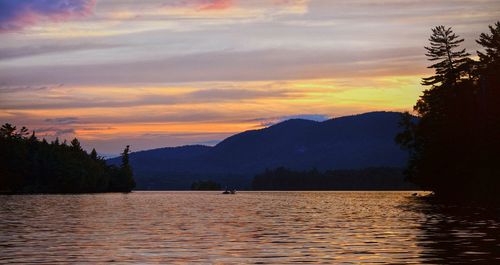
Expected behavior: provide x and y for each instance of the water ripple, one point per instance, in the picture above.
(250, 228)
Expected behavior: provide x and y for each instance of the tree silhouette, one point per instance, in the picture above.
(362, 179)
(125, 157)
(454, 146)
(490, 59)
(93, 154)
(7, 130)
(122, 180)
(33, 137)
(451, 63)
(75, 144)
(126, 170)
(205, 185)
(28, 165)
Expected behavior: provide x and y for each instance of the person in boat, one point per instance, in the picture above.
(229, 191)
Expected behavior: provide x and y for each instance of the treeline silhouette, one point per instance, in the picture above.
(382, 178)
(455, 147)
(205, 185)
(30, 165)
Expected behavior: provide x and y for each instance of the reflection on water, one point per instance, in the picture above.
(453, 234)
(250, 227)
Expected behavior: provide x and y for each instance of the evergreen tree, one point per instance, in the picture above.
(450, 63)
(123, 180)
(489, 107)
(93, 154)
(75, 145)
(126, 171)
(28, 165)
(125, 158)
(33, 137)
(454, 146)
(7, 130)
(490, 59)
(22, 133)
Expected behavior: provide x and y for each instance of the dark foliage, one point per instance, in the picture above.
(205, 185)
(28, 165)
(362, 179)
(454, 148)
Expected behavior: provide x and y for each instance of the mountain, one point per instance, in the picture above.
(351, 142)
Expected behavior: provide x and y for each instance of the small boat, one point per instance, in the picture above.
(227, 191)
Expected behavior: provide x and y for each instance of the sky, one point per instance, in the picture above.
(156, 73)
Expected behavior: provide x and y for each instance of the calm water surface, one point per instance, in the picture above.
(249, 227)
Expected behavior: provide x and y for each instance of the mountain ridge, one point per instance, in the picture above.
(348, 142)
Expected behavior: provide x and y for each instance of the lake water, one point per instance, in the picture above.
(249, 227)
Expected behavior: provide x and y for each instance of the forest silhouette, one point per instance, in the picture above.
(454, 146)
(381, 178)
(28, 165)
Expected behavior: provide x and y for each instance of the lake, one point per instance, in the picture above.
(249, 227)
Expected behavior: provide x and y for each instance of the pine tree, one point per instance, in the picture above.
(93, 154)
(489, 72)
(75, 145)
(489, 105)
(125, 158)
(7, 130)
(128, 176)
(33, 137)
(451, 63)
(491, 57)
(453, 149)
(28, 165)
(22, 133)
(123, 180)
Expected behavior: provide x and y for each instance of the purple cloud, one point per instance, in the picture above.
(18, 14)
(54, 131)
(63, 120)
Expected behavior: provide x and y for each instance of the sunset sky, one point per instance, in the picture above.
(157, 73)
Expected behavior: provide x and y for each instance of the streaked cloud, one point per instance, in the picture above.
(62, 120)
(192, 112)
(36, 50)
(157, 73)
(54, 132)
(253, 65)
(215, 4)
(16, 15)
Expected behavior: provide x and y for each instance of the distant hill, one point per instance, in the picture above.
(351, 142)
